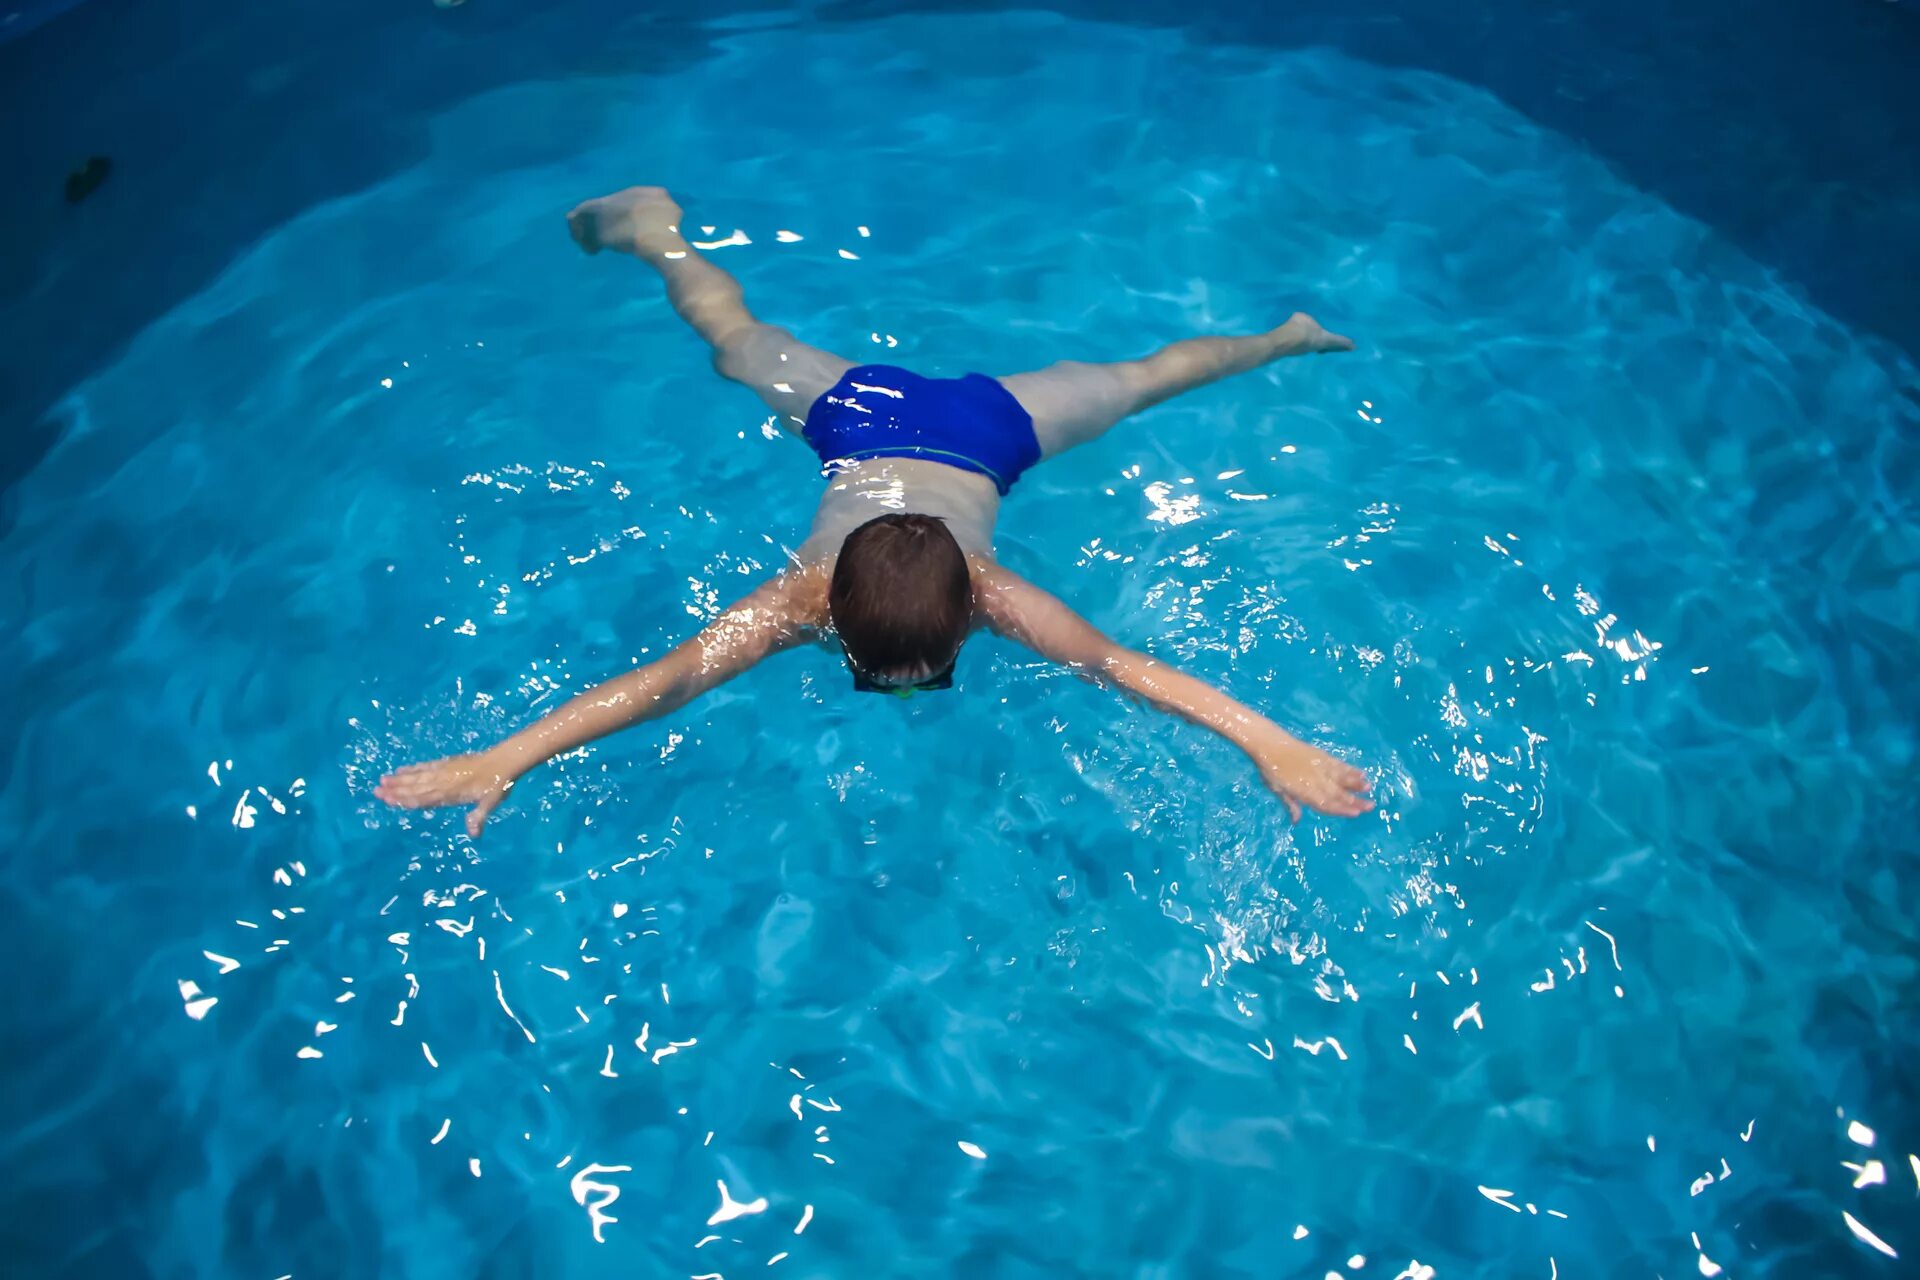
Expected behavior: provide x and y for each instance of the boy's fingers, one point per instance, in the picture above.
(1293, 807)
(478, 815)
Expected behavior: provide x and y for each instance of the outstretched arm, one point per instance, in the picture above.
(1298, 773)
(776, 616)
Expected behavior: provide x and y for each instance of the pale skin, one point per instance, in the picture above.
(1069, 402)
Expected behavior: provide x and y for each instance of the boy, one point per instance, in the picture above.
(898, 569)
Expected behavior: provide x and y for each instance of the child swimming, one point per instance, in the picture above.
(898, 569)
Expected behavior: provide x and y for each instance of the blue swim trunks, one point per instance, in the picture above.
(878, 411)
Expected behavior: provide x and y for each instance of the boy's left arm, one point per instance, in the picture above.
(1298, 773)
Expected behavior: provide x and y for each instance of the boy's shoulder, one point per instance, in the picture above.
(802, 589)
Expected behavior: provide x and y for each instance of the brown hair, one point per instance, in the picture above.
(901, 597)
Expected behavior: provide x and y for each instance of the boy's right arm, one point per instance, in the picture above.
(778, 615)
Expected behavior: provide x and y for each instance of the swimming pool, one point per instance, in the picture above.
(1598, 555)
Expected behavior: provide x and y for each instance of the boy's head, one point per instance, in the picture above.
(902, 603)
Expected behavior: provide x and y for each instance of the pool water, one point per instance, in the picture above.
(1597, 555)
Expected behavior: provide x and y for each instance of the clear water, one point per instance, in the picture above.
(1598, 554)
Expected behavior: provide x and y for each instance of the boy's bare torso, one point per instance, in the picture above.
(969, 503)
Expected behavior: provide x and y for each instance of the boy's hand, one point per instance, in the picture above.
(478, 780)
(1305, 775)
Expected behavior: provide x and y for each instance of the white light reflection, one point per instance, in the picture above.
(500, 995)
(1610, 942)
(197, 1004)
(1168, 510)
(672, 1047)
(1853, 1225)
(1708, 1267)
(583, 1186)
(1870, 1174)
(730, 1208)
(973, 1151)
(1502, 1198)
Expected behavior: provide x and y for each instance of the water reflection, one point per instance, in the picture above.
(1413, 1003)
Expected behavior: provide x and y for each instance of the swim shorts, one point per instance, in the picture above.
(970, 422)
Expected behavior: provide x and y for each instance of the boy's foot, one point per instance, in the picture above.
(643, 221)
(1303, 333)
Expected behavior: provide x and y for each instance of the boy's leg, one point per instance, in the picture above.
(645, 222)
(1072, 403)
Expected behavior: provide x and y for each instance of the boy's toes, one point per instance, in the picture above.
(581, 225)
(1316, 338)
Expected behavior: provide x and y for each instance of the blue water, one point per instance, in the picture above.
(1598, 555)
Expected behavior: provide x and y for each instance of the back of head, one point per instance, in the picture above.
(901, 597)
